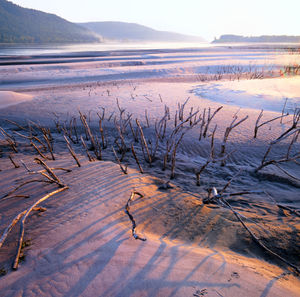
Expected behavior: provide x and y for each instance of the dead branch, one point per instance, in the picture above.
(104, 142)
(13, 162)
(14, 222)
(181, 109)
(135, 136)
(127, 208)
(49, 171)
(257, 240)
(286, 172)
(72, 151)
(91, 159)
(16, 124)
(226, 135)
(265, 163)
(22, 230)
(173, 158)
(294, 126)
(25, 183)
(198, 172)
(209, 119)
(10, 139)
(282, 112)
(294, 140)
(212, 143)
(279, 205)
(124, 170)
(229, 182)
(257, 125)
(224, 202)
(144, 142)
(203, 121)
(146, 117)
(136, 159)
(38, 151)
(88, 132)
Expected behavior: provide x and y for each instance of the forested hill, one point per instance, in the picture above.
(122, 31)
(263, 38)
(22, 25)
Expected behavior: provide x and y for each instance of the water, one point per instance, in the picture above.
(46, 49)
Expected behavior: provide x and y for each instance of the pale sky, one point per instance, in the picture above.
(208, 18)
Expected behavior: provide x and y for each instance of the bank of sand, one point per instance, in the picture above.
(82, 245)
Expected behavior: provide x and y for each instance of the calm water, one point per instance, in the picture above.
(41, 49)
(46, 49)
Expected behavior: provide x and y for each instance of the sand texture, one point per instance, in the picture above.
(81, 242)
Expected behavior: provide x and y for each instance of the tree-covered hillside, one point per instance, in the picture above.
(122, 31)
(22, 25)
(263, 38)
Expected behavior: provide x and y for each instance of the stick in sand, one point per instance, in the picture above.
(13, 162)
(22, 230)
(127, 208)
(124, 170)
(136, 159)
(71, 151)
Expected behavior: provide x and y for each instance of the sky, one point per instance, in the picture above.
(206, 18)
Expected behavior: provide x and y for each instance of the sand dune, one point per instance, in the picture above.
(8, 98)
(82, 245)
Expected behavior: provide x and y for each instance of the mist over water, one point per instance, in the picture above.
(43, 49)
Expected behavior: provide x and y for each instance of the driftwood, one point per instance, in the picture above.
(22, 230)
(127, 208)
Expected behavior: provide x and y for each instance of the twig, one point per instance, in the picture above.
(49, 170)
(136, 159)
(25, 183)
(124, 170)
(13, 223)
(72, 152)
(91, 159)
(22, 230)
(127, 208)
(38, 151)
(257, 240)
(13, 162)
(144, 142)
(257, 125)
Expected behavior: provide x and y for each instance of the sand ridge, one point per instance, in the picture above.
(84, 237)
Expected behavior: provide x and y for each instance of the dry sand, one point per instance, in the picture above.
(82, 245)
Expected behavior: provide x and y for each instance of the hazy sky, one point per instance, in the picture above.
(206, 18)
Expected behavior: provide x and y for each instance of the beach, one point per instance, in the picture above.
(215, 176)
